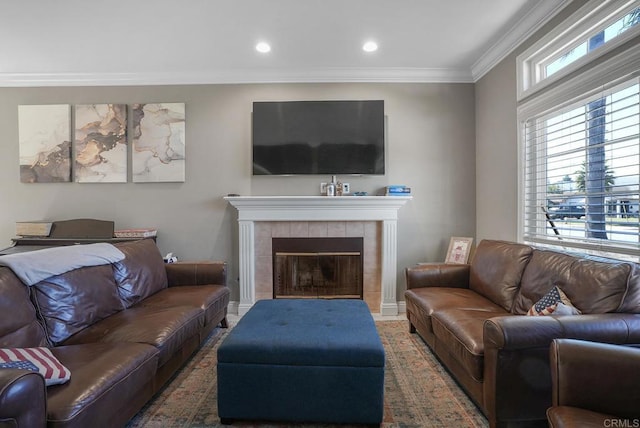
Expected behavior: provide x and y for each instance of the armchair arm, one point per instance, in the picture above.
(196, 273)
(517, 375)
(596, 376)
(23, 398)
(437, 275)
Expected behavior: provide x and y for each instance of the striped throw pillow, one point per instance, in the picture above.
(39, 360)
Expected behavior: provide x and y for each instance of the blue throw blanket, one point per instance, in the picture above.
(34, 266)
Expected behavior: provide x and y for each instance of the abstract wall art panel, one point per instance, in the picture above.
(100, 143)
(44, 139)
(158, 153)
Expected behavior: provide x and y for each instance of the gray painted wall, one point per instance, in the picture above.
(497, 142)
(430, 146)
(497, 153)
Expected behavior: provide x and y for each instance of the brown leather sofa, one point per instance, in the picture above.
(594, 385)
(122, 329)
(474, 319)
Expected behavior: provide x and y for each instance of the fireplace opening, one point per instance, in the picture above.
(317, 268)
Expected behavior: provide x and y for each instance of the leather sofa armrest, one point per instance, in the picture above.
(438, 275)
(517, 374)
(522, 332)
(196, 273)
(595, 376)
(23, 398)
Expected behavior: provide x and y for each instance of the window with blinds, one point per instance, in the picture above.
(581, 183)
(579, 132)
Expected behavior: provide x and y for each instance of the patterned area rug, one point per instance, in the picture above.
(419, 393)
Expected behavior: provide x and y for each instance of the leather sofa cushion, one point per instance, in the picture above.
(165, 328)
(75, 300)
(593, 286)
(423, 302)
(462, 332)
(103, 376)
(18, 324)
(141, 273)
(212, 299)
(435, 299)
(496, 270)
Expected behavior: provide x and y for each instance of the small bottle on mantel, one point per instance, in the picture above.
(332, 187)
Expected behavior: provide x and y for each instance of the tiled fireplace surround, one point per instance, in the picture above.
(374, 218)
(368, 230)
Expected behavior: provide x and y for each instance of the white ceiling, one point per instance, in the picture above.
(70, 42)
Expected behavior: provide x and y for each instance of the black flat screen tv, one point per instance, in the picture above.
(318, 137)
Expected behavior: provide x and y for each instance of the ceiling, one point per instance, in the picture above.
(72, 42)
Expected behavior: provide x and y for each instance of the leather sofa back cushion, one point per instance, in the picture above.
(141, 273)
(593, 286)
(496, 270)
(19, 326)
(75, 300)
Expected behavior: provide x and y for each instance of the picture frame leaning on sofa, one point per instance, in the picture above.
(459, 250)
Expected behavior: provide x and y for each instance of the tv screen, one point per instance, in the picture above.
(318, 137)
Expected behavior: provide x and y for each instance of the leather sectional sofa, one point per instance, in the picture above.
(474, 319)
(122, 329)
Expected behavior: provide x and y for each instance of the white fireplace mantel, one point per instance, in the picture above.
(318, 208)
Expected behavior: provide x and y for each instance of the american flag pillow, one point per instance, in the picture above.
(555, 302)
(39, 360)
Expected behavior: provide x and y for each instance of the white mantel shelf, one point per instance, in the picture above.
(318, 208)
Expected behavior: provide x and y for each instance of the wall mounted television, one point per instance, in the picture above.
(318, 137)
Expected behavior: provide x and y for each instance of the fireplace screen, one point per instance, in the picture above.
(330, 269)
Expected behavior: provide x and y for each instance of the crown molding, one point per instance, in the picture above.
(523, 28)
(320, 75)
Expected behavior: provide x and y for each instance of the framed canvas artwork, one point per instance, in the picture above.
(100, 143)
(459, 250)
(44, 140)
(158, 153)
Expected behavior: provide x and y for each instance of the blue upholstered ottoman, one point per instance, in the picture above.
(302, 360)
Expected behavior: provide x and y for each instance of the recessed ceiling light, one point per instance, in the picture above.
(263, 47)
(370, 46)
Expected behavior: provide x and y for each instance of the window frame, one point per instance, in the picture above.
(593, 17)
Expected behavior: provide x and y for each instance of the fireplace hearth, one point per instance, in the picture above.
(317, 268)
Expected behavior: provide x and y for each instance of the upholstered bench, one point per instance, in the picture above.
(302, 360)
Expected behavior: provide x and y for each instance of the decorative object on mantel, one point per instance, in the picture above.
(100, 143)
(158, 142)
(334, 188)
(44, 139)
(459, 250)
(397, 190)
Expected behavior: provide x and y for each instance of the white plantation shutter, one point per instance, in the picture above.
(565, 200)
